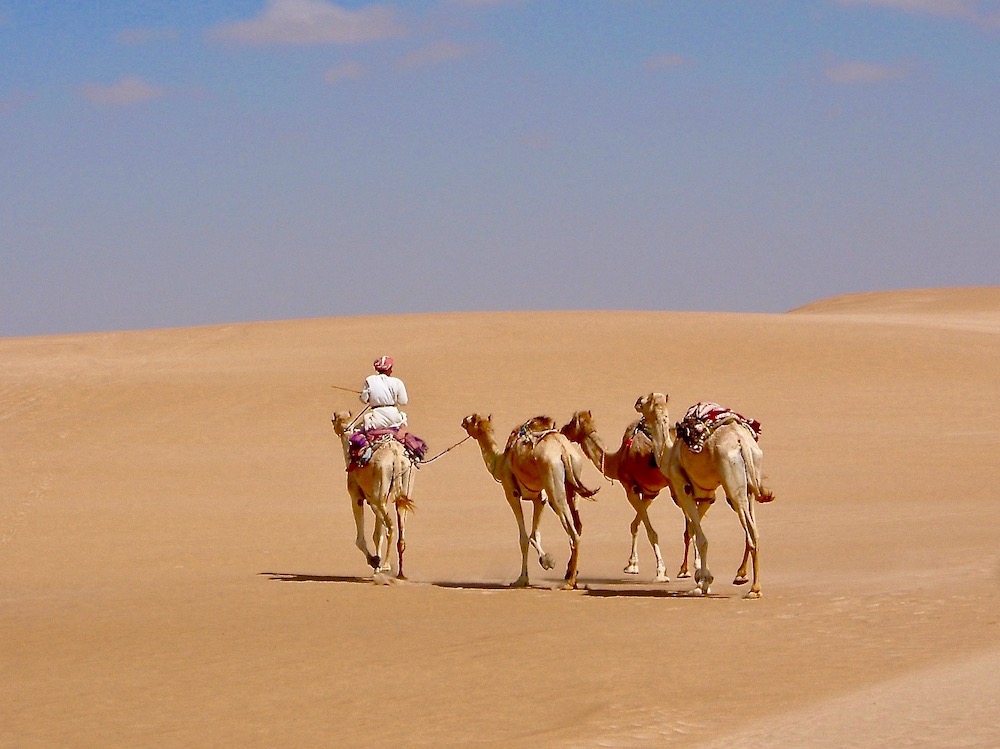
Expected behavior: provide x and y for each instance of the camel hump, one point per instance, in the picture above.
(538, 424)
(532, 430)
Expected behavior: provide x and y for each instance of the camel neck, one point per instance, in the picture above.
(594, 448)
(491, 455)
(660, 433)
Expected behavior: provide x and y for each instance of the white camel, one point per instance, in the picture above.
(541, 466)
(730, 458)
(385, 484)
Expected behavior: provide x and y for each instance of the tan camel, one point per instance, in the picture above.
(384, 483)
(731, 459)
(538, 465)
(633, 466)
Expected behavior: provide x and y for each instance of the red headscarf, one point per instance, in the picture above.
(383, 364)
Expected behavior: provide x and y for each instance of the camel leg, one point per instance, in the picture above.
(569, 518)
(738, 496)
(388, 535)
(400, 541)
(688, 532)
(752, 550)
(741, 574)
(632, 568)
(654, 541)
(522, 538)
(745, 513)
(358, 508)
(380, 537)
(545, 560)
(702, 575)
(688, 535)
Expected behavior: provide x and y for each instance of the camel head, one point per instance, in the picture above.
(341, 422)
(579, 426)
(649, 405)
(477, 425)
(653, 408)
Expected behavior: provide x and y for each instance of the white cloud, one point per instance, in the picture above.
(854, 71)
(311, 22)
(344, 72)
(130, 90)
(665, 62)
(438, 52)
(487, 3)
(976, 11)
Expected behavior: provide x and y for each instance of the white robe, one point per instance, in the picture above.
(384, 394)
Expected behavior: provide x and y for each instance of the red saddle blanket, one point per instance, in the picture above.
(362, 443)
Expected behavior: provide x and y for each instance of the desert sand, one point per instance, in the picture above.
(178, 569)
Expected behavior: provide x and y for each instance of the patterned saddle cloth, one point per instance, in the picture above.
(363, 444)
(702, 419)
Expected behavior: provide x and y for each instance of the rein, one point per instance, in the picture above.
(431, 460)
(355, 419)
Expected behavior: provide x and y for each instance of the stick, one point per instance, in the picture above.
(346, 390)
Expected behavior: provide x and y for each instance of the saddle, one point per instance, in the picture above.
(639, 427)
(363, 443)
(531, 431)
(702, 419)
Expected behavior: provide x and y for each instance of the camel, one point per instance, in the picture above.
(384, 483)
(538, 465)
(731, 459)
(632, 465)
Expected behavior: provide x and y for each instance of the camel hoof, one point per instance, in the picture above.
(521, 582)
(631, 569)
(695, 592)
(569, 585)
(401, 576)
(683, 575)
(752, 595)
(546, 561)
(661, 577)
(741, 580)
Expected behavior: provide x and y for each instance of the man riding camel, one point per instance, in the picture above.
(384, 394)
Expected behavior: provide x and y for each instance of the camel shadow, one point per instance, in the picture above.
(299, 577)
(295, 577)
(619, 589)
(599, 588)
(478, 585)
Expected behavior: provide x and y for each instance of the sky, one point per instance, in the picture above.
(168, 163)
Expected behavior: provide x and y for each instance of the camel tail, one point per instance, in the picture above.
(405, 504)
(573, 478)
(755, 482)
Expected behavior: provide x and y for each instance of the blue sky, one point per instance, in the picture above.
(166, 164)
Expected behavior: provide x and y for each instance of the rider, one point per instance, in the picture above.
(384, 394)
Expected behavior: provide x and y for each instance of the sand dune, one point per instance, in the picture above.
(177, 565)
